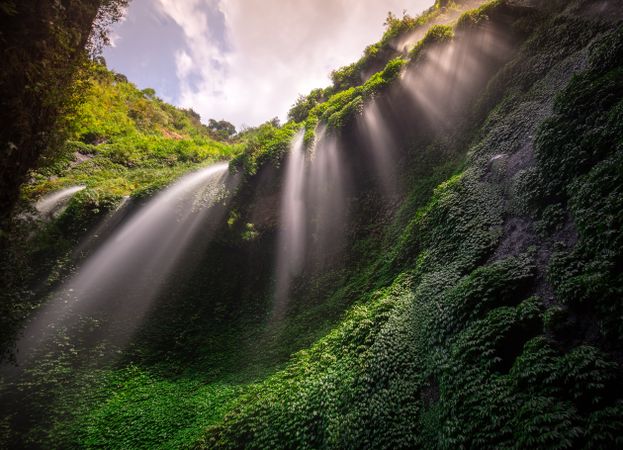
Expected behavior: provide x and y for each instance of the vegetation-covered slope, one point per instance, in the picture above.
(121, 141)
(501, 326)
(43, 46)
(479, 306)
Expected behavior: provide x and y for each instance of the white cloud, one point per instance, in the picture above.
(113, 39)
(252, 67)
(183, 63)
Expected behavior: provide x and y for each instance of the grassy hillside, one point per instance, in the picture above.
(479, 308)
(43, 47)
(124, 141)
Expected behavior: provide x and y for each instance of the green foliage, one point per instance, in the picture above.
(375, 56)
(340, 108)
(43, 47)
(580, 162)
(552, 219)
(267, 143)
(124, 141)
(221, 129)
(437, 34)
(121, 142)
(353, 75)
(499, 284)
(453, 353)
(154, 407)
(335, 106)
(475, 17)
(304, 105)
(345, 77)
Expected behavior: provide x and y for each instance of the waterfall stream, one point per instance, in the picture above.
(114, 288)
(54, 203)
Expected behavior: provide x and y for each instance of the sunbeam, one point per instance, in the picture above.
(118, 284)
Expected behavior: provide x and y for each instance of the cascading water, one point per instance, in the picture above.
(314, 202)
(312, 213)
(115, 287)
(382, 149)
(53, 204)
(443, 80)
(326, 185)
(291, 241)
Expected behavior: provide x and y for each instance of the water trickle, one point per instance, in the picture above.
(291, 241)
(326, 185)
(382, 149)
(116, 286)
(53, 204)
(312, 213)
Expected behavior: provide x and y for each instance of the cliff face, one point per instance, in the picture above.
(491, 314)
(465, 292)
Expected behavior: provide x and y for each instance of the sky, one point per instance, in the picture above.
(245, 61)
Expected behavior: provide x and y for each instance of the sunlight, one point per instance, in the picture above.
(118, 284)
(382, 149)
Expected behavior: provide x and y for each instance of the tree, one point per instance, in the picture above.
(221, 129)
(275, 122)
(304, 104)
(149, 93)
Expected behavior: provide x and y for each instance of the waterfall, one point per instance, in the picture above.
(326, 185)
(382, 149)
(54, 203)
(443, 82)
(312, 213)
(115, 287)
(291, 240)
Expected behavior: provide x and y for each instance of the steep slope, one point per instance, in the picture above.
(501, 326)
(43, 47)
(466, 295)
(122, 140)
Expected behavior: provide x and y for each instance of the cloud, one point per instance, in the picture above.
(247, 60)
(113, 39)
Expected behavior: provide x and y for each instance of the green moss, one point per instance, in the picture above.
(437, 34)
(475, 17)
